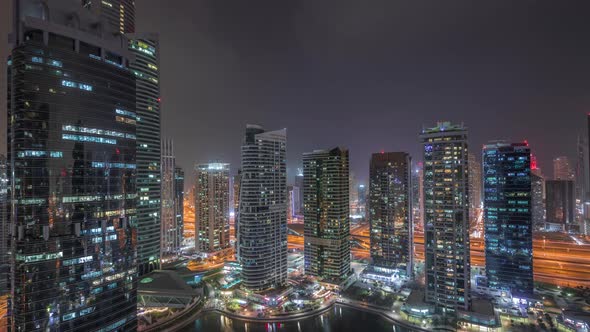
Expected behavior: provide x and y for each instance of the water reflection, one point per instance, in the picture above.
(339, 319)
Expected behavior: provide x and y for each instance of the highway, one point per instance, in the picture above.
(557, 258)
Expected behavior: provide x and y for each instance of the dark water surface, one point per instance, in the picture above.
(336, 319)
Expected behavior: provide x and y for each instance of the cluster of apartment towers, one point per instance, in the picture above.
(261, 219)
(92, 198)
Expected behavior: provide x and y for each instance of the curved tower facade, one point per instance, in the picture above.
(262, 224)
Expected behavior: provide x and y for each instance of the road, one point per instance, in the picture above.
(558, 258)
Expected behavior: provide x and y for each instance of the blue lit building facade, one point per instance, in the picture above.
(72, 158)
(507, 217)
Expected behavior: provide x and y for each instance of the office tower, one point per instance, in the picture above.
(73, 167)
(390, 211)
(327, 214)
(211, 207)
(179, 202)
(170, 230)
(475, 180)
(560, 203)
(119, 15)
(147, 118)
(299, 184)
(538, 201)
(262, 222)
(507, 217)
(446, 217)
(562, 169)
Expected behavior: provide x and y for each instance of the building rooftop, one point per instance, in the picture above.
(444, 126)
(165, 282)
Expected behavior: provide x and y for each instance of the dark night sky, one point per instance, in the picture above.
(368, 74)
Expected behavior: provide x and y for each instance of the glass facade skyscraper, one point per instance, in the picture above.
(390, 212)
(508, 218)
(72, 157)
(145, 47)
(326, 212)
(171, 236)
(262, 221)
(212, 207)
(446, 217)
(118, 14)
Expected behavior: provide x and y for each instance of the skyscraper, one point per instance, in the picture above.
(236, 193)
(262, 222)
(475, 182)
(299, 184)
(418, 197)
(294, 203)
(145, 68)
(560, 203)
(562, 169)
(446, 217)
(538, 201)
(119, 15)
(507, 217)
(581, 176)
(327, 214)
(390, 212)
(171, 233)
(73, 168)
(211, 207)
(179, 202)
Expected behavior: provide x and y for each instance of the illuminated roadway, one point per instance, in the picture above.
(557, 258)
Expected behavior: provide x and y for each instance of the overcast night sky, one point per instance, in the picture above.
(367, 75)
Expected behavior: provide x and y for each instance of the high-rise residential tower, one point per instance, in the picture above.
(327, 214)
(211, 207)
(446, 217)
(262, 221)
(72, 157)
(145, 68)
(390, 211)
(171, 231)
(507, 217)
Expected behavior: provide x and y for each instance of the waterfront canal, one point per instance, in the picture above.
(336, 319)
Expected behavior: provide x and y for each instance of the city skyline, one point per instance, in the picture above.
(478, 83)
(410, 166)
